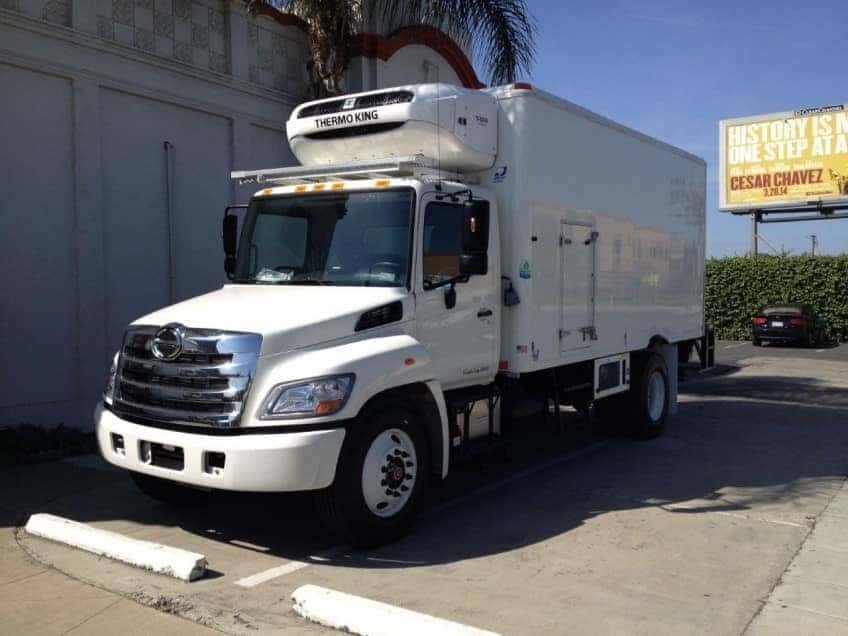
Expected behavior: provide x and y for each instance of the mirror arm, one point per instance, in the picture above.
(462, 278)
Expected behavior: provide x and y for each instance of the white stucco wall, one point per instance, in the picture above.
(91, 92)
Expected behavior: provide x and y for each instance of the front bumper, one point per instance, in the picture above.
(776, 334)
(275, 462)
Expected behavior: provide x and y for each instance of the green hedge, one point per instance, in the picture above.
(736, 287)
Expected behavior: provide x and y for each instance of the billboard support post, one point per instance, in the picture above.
(754, 246)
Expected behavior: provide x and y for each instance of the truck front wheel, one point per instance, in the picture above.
(382, 472)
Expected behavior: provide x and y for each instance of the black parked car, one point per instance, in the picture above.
(785, 323)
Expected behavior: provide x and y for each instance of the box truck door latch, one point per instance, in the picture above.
(589, 332)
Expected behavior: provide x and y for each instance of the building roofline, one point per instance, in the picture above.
(374, 45)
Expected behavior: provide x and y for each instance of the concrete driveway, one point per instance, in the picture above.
(698, 531)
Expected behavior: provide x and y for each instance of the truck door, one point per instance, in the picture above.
(463, 340)
(577, 290)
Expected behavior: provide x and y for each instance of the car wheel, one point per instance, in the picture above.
(382, 472)
(167, 491)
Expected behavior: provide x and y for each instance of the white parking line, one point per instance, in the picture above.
(358, 615)
(287, 568)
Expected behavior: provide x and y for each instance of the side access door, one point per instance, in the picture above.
(458, 323)
(577, 289)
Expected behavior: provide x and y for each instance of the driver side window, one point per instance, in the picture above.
(442, 242)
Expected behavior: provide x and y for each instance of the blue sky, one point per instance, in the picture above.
(674, 69)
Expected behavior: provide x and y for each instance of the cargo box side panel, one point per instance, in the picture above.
(644, 199)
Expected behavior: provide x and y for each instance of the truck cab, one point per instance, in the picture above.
(351, 302)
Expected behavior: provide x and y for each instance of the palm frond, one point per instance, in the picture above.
(501, 33)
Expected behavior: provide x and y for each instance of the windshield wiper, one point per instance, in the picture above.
(307, 281)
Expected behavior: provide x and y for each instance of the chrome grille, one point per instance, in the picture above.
(205, 385)
(372, 100)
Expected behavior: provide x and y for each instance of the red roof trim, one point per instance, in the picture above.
(286, 19)
(383, 47)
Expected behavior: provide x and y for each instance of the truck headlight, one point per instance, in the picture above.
(109, 390)
(309, 398)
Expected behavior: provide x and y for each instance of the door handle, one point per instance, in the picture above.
(484, 313)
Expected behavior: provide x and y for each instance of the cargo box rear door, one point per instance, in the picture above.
(577, 296)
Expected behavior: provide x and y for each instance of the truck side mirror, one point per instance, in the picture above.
(476, 264)
(229, 236)
(475, 227)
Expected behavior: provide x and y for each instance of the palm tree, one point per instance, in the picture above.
(501, 32)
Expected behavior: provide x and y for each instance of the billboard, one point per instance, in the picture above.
(784, 160)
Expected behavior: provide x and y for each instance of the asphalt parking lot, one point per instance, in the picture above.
(699, 531)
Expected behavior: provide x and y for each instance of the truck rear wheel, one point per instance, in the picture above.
(643, 410)
(381, 475)
(649, 396)
(167, 491)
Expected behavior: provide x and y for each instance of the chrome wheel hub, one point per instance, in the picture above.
(388, 473)
(656, 396)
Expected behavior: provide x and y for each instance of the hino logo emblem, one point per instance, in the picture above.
(167, 344)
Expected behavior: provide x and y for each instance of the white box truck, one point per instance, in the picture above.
(440, 252)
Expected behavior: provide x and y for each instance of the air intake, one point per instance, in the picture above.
(371, 100)
(383, 315)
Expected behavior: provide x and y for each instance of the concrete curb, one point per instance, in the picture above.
(155, 557)
(365, 617)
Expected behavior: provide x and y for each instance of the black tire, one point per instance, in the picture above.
(641, 422)
(168, 492)
(629, 413)
(343, 508)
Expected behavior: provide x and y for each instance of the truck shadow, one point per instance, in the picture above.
(787, 388)
(719, 455)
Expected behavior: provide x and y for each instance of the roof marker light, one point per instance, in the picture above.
(318, 187)
(300, 188)
(382, 183)
(339, 185)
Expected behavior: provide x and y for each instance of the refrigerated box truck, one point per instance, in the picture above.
(441, 257)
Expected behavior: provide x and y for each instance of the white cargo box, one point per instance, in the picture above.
(602, 234)
(456, 125)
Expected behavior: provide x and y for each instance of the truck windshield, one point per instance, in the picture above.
(341, 238)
